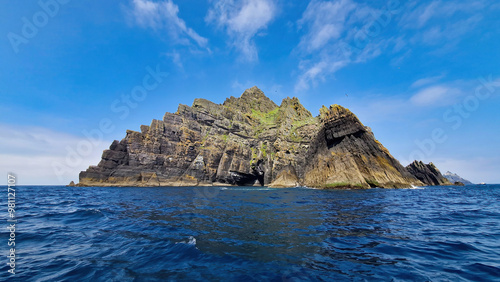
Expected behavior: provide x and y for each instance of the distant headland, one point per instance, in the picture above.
(252, 141)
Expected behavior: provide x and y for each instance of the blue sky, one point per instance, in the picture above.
(424, 75)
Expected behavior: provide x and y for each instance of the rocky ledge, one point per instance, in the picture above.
(252, 141)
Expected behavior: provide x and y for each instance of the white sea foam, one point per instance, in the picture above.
(191, 241)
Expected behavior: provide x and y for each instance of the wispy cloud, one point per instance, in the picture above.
(437, 95)
(426, 81)
(163, 16)
(441, 24)
(30, 153)
(338, 33)
(431, 93)
(325, 21)
(420, 15)
(316, 71)
(175, 56)
(242, 21)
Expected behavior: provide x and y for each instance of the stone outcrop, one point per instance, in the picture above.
(427, 173)
(346, 153)
(453, 178)
(250, 141)
(286, 178)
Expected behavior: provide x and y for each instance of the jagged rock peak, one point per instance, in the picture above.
(253, 92)
(252, 99)
(453, 178)
(295, 105)
(335, 112)
(251, 141)
(292, 110)
(429, 174)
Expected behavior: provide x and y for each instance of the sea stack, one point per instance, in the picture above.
(251, 141)
(429, 174)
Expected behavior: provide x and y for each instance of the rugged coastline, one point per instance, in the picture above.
(252, 141)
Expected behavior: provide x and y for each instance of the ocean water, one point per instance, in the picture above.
(254, 234)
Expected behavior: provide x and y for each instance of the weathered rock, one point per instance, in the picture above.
(71, 184)
(453, 177)
(287, 177)
(427, 173)
(346, 154)
(250, 141)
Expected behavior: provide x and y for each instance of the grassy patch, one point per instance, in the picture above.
(294, 136)
(298, 123)
(266, 118)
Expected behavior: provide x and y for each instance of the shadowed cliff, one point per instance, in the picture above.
(250, 141)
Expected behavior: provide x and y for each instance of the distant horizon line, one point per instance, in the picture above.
(63, 185)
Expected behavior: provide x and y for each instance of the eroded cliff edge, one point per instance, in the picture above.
(250, 141)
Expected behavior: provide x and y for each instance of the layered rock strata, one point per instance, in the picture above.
(250, 141)
(429, 174)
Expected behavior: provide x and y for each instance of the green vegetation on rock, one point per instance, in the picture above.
(222, 143)
(263, 150)
(266, 118)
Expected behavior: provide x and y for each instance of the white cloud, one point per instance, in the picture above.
(337, 33)
(418, 16)
(426, 81)
(428, 93)
(176, 58)
(163, 15)
(325, 22)
(32, 152)
(452, 92)
(437, 95)
(441, 24)
(450, 32)
(242, 22)
(318, 71)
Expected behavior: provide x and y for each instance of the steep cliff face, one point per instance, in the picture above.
(427, 173)
(346, 153)
(250, 141)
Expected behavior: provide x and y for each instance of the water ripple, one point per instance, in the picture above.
(264, 234)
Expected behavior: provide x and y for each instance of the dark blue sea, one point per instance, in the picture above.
(254, 234)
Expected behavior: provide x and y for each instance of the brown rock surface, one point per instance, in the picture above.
(250, 141)
(345, 153)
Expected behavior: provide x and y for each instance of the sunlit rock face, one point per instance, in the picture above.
(250, 141)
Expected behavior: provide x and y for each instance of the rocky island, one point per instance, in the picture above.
(252, 141)
(455, 178)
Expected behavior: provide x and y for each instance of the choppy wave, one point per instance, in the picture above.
(256, 234)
